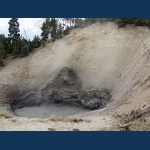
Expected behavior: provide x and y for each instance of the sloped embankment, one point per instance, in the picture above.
(101, 55)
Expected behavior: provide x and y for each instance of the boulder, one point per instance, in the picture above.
(63, 87)
(91, 103)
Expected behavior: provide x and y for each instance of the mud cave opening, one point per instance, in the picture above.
(61, 96)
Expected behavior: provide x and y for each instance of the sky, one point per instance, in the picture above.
(30, 25)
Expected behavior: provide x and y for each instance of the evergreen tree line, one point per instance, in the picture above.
(136, 21)
(51, 29)
(15, 45)
(54, 28)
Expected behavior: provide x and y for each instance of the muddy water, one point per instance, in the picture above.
(46, 110)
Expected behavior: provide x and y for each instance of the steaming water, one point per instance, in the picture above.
(46, 110)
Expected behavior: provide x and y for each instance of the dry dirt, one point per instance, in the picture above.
(103, 57)
(91, 123)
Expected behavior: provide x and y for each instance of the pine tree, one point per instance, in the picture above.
(53, 28)
(60, 31)
(14, 31)
(1, 49)
(45, 29)
(49, 29)
(67, 31)
(71, 21)
(36, 41)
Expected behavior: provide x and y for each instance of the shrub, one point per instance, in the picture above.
(43, 42)
(5, 55)
(24, 50)
(136, 21)
(120, 23)
(126, 128)
(53, 39)
(73, 119)
(5, 114)
(66, 31)
(53, 118)
(15, 51)
(68, 119)
(1, 63)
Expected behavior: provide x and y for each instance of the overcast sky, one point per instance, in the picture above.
(30, 25)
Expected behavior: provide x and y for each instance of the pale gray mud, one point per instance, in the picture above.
(61, 96)
(46, 110)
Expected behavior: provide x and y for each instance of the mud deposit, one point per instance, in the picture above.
(46, 110)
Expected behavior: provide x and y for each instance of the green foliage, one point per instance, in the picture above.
(45, 29)
(14, 31)
(81, 23)
(15, 51)
(5, 56)
(126, 128)
(13, 36)
(136, 21)
(70, 21)
(120, 23)
(25, 50)
(1, 50)
(43, 42)
(7, 45)
(53, 39)
(14, 44)
(1, 62)
(49, 29)
(59, 33)
(36, 41)
(92, 20)
(53, 29)
(66, 31)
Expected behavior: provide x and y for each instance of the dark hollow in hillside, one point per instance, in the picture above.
(63, 89)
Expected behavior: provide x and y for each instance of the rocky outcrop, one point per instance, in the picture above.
(64, 87)
(94, 98)
(29, 99)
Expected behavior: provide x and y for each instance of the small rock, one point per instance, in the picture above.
(51, 129)
(132, 112)
(91, 103)
(104, 118)
(13, 120)
(104, 32)
(75, 129)
(144, 106)
(87, 121)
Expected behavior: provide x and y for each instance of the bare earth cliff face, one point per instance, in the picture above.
(93, 66)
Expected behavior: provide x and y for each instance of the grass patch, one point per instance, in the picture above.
(5, 114)
(74, 119)
(126, 128)
(71, 119)
(41, 120)
(1, 63)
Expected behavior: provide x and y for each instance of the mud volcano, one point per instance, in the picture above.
(81, 72)
(61, 96)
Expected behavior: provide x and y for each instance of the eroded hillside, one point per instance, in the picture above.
(102, 55)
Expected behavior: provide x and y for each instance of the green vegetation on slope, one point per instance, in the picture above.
(52, 28)
(136, 21)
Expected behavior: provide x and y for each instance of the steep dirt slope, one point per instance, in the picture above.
(102, 55)
(133, 84)
(98, 53)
